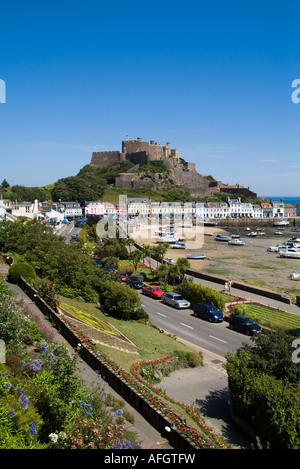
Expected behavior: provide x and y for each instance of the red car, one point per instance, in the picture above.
(152, 290)
(122, 276)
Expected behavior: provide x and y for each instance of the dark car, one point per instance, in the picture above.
(134, 282)
(244, 324)
(109, 268)
(209, 312)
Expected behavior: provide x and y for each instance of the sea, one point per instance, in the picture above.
(286, 200)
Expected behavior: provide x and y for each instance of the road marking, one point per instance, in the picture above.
(213, 337)
(161, 314)
(186, 325)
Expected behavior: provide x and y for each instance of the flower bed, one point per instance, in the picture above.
(206, 438)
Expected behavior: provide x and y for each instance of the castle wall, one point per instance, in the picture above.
(139, 158)
(105, 158)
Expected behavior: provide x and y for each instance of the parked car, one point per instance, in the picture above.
(176, 300)
(134, 282)
(122, 276)
(244, 324)
(153, 291)
(209, 312)
(109, 268)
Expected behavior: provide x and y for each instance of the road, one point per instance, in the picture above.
(215, 338)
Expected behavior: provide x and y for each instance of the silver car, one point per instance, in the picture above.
(174, 299)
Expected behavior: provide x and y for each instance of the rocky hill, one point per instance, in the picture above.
(159, 167)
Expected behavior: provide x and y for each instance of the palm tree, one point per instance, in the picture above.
(136, 257)
(174, 273)
(147, 252)
(162, 272)
(182, 264)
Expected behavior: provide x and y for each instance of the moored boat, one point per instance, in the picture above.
(196, 256)
(236, 242)
(295, 276)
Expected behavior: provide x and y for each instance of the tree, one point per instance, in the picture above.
(147, 253)
(183, 265)
(121, 300)
(162, 272)
(174, 273)
(136, 257)
(159, 251)
(4, 184)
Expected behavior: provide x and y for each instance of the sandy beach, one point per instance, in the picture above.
(251, 263)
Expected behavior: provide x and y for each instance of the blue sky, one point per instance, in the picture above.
(212, 78)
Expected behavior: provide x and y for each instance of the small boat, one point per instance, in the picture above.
(295, 229)
(167, 239)
(208, 234)
(278, 232)
(260, 233)
(170, 260)
(290, 253)
(235, 236)
(281, 223)
(252, 234)
(295, 276)
(222, 238)
(178, 246)
(196, 256)
(236, 242)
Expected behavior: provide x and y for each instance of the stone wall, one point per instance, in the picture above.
(105, 158)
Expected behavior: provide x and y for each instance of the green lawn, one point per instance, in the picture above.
(273, 319)
(151, 342)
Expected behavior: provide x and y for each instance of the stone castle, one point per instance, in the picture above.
(179, 172)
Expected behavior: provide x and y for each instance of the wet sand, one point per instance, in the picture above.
(251, 264)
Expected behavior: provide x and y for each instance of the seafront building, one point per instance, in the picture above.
(142, 208)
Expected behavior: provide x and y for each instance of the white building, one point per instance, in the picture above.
(218, 210)
(202, 210)
(238, 209)
(278, 208)
(29, 210)
(138, 206)
(94, 208)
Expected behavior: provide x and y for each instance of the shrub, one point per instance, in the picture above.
(21, 269)
(196, 293)
(121, 301)
(239, 310)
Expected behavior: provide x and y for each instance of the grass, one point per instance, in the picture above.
(150, 341)
(273, 319)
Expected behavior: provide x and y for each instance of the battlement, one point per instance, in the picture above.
(135, 151)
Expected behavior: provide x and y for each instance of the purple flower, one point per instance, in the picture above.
(32, 429)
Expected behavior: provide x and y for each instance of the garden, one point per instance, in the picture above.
(44, 403)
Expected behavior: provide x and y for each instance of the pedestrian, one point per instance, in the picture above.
(226, 287)
(230, 285)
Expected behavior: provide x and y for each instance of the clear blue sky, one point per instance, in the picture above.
(211, 77)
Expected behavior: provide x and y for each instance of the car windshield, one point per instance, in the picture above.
(250, 321)
(178, 297)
